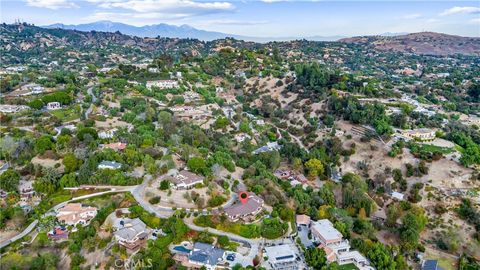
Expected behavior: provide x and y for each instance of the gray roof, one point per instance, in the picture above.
(112, 164)
(206, 254)
(130, 228)
(431, 265)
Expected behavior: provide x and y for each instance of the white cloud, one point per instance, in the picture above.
(51, 4)
(475, 21)
(236, 22)
(461, 10)
(138, 19)
(412, 16)
(169, 6)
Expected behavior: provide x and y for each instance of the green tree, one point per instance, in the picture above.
(314, 167)
(196, 164)
(43, 144)
(9, 180)
(70, 162)
(315, 258)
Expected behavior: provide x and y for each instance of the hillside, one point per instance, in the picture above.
(427, 43)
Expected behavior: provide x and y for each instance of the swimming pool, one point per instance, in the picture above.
(182, 249)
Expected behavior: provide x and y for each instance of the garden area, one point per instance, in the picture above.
(270, 228)
(67, 114)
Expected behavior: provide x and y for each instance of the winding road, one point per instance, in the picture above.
(50, 212)
(94, 99)
(137, 191)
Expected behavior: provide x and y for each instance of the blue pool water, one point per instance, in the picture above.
(182, 249)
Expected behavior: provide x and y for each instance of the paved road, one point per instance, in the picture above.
(295, 138)
(94, 99)
(56, 207)
(20, 235)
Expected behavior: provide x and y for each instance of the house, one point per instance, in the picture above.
(68, 127)
(206, 255)
(5, 108)
(336, 248)
(431, 265)
(397, 195)
(34, 88)
(190, 96)
(302, 220)
(283, 174)
(281, 257)
(131, 233)
(229, 112)
(190, 113)
(4, 166)
(53, 106)
(162, 84)
(75, 213)
(185, 180)
(118, 146)
(271, 146)
(422, 134)
(242, 137)
(58, 233)
(324, 233)
(105, 70)
(353, 257)
(112, 165)
(107, 134)
(245, 211)
(25, 189)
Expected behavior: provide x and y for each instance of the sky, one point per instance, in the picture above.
(261, 18)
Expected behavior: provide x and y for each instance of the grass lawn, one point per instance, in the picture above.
(434, 148)
(67, 114)
(349, 266)
(420, 147)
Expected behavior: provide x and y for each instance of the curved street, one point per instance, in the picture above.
(50, 212)
(94, 99)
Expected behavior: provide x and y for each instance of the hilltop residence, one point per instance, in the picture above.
(422, 134)
(131, 233)
(75, 213)
(185, 180)
(53, 106)
(162, 84)
(281, 257)
(246, 211)
(206, 255)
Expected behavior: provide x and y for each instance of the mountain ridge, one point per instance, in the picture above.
(173, 31)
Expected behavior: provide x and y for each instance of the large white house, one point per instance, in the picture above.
(75, 213)
(336, 248)
(281, 257)
(162, 84)
(185, 180)
(53, 106)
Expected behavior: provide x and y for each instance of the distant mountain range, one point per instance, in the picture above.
(173, 31)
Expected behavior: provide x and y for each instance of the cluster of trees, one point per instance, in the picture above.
(316, 78)
(60, 96)
(471, 149)
(369, 114)
(467, 211)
